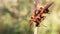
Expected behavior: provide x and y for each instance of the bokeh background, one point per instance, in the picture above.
(15, 16)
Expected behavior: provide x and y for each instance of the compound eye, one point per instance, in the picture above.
(37, 12)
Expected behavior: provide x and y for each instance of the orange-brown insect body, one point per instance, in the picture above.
(37, 14)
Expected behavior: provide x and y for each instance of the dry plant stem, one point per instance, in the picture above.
(36, 30)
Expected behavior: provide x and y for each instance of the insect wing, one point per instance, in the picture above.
(35, 4)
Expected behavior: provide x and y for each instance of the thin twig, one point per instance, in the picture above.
(36, 30)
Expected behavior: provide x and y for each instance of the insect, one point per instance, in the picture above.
(39, 11)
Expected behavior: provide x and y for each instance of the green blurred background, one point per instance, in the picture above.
(15, 16)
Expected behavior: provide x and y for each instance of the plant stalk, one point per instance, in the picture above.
(36, 30)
